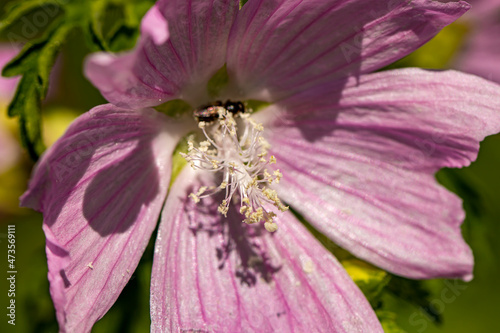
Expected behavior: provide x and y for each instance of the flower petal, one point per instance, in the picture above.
(361, 169)
(482, 52)
(168, 65)
(155, 26)
(101, 188)
(220, 275)
(279, 47)
(482, 9)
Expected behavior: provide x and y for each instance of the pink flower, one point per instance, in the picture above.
(481, 52)
(357, 153)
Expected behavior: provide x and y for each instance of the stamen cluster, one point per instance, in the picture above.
(242, 159)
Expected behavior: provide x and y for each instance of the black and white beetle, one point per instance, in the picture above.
(210, 112)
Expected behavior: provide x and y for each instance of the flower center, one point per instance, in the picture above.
(239, 152)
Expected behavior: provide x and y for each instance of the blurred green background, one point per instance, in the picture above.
(403, 305)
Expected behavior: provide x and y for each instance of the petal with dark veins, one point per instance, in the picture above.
(101, 188)
(361, 167)
(216, 274)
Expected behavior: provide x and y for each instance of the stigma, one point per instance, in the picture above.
(236, 149)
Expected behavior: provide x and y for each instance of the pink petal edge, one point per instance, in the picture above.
(101, 188)
(154, 24)
(361, 168)
(277, 48)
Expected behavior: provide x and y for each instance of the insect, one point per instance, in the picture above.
(210, 112)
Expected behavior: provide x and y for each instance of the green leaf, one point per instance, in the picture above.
(370, 279)
(416, 293)
(97, 9)
(26, 105)
(124, 36)
(34, 63)
(388, 321)
(111, 25)
(18, 10)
